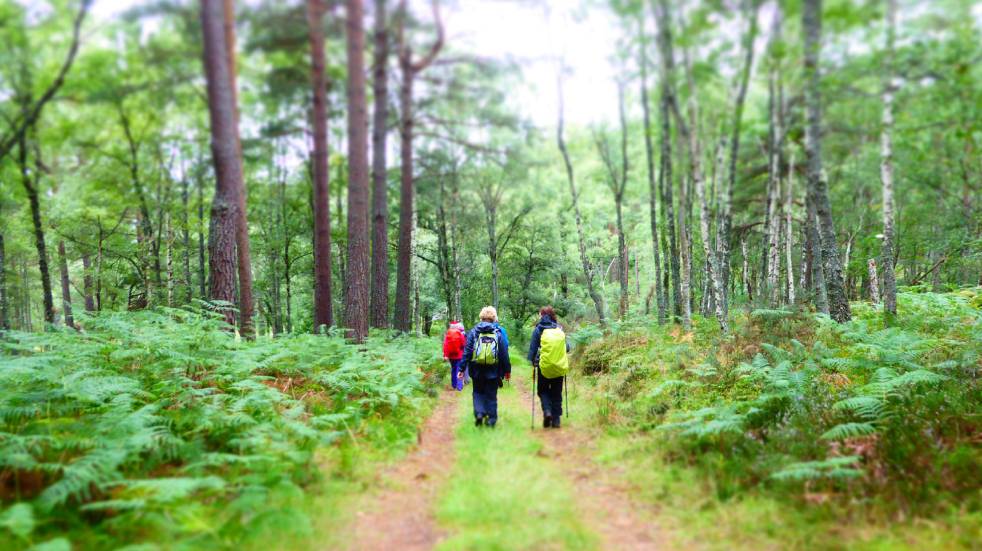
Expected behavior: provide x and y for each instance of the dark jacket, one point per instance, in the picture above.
(504, 363)
(535, 345)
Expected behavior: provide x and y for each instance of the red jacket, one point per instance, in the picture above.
(453, 344)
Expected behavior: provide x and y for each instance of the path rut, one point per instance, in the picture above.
(605, 503)
(401, 514)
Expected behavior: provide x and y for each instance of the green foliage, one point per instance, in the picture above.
(160, 414)
(852, 402)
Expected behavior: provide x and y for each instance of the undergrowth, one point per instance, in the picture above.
(857, 416)
(160, 426)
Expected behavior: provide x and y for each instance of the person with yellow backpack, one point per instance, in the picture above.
(548, 354)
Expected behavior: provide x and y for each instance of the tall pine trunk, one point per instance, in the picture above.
(832, 263)
(886, 173)
(228, 226)
(323, 306)
(789, 230)
(403, 317)
(356, 296)
(380, 190)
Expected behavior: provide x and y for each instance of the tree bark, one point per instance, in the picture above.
(323, 305)
(775, 152)
(30, 186)
(380, 191)
(403, 316)
(812, 25)
(201, 237)
(66, 287)
(652, 186)
(4, 319)
(230, 233)
(598, 301)
(666, 183)
(356, 296)
(789, 231)
(815, 263)
(724, 228)
(887, 255)
(874, 285)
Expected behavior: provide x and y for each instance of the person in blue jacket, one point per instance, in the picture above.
(487, 340)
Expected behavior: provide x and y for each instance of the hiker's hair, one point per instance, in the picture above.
(548, 311)
(488, 313)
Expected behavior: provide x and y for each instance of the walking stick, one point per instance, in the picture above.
(533, 397)
(566, 391)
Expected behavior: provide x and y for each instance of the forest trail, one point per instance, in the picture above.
(511, 488)
(400, 515)
(604, 502)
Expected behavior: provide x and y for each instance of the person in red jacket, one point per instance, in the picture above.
(453, 351)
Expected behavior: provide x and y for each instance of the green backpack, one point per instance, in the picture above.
(486, 349)
(553, 361)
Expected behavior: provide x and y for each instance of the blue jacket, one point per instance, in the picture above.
(504, 362)
(504, 334)
(535, 344)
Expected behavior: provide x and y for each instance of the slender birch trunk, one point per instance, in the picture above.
(886, 172)
(652, 185)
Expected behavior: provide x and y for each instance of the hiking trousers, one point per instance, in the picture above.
(457, 374)
(550, 392)
(486, 399)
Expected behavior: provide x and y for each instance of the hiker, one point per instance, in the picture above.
(548, 355)
(486, 356)
(453, 352)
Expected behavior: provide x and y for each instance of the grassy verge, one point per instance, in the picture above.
(503, 494)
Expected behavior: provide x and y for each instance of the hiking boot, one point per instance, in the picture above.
(555, 423)
(546, 422)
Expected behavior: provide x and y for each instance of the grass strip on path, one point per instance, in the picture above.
(504, 493)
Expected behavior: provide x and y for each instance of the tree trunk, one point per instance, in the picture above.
(356, 296)
(874, 284)
(815, 263)
(886, 173)
(407, 199)
(789, 231)
(724, 228)
(185, 238)
(4, 319)
(66, 286)
(201, 236)
(619, 200)
(812, 25)
(598, 302)
(455, 244)
(775, 151)
(30, 186)
(229, 241)
(652, 186)
(380, 190)
(323, 306)
(170, 261)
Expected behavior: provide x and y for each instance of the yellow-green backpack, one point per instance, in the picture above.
(553, 361)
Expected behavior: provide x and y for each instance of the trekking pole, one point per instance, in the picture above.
(533, 397)
(566, 391)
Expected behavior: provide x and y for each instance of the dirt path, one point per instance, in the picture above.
(400, 515)
(605, 504)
